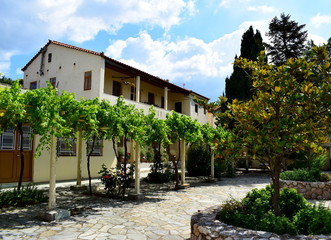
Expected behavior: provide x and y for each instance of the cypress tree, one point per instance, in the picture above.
(239, 85)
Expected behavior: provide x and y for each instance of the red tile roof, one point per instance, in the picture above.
(149, 76)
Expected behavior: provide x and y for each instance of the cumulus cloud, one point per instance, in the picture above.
(319, 20)
(181, 60)
(262, 9)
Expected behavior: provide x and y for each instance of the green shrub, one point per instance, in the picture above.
(297, 215)
(291, 202)
(159, 177)
(325, 177)
(277, 224)
(27, 195)
(198, 160)
(299, 175)
(258, 201)
(313, 220)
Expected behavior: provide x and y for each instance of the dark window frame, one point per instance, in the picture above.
(53, 81)
(49, 57)
(87, 80)
(35, 84)
(117, 88)
(69, 147)
(98, 148)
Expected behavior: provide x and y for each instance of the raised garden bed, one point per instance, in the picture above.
(310, 190)
(204, 225)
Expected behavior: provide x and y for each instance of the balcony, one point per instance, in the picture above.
(160, 112)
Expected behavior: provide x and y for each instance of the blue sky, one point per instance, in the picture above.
(190, 42)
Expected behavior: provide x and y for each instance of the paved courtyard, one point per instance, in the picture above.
(162, 214)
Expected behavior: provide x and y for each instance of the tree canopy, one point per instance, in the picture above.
(239, 85)
(287, 39)
(286, 115)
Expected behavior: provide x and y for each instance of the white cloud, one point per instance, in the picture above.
(182, 60)
(318, 40)
(262, 9)
(319, 20)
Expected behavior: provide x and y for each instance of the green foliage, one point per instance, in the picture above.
(297, 215)
(239, 85)
(312, 173)
(325, 177)
(287, 39)
(298, 175)
(160, 176)
(115, 179)
(27, 195)
(277, 224)
(198, 160)
(291, 202)
(313, 220)
(258, 201)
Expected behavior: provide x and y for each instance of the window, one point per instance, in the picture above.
(66, 147)
(133, 93)
(162, 102)
(178, 107)
(117, 88)
(33, 85)
(53, 81)
(88, 80)
(7, 139)
(98, 145)
(49, 57)
(204, 111)
(27, 138)
(196, 108)
(151, 98)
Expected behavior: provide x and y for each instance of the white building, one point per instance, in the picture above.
(90, 74)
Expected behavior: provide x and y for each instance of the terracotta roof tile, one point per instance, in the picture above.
(187, 91)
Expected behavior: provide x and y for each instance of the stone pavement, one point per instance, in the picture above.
(161, 214)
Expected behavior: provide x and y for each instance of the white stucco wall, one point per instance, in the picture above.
(68, 66)
(67, 166)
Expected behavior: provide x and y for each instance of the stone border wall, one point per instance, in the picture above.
(204, 226)
(310, 190)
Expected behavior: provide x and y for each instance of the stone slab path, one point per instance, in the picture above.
(162, 214)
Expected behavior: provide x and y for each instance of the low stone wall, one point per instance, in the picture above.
(310, 190)
(204, 226)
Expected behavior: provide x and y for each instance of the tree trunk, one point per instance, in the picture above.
(115, 151)
(89, 165)
(20, 130)
(275, 174)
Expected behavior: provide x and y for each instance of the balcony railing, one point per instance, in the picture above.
(160, 112)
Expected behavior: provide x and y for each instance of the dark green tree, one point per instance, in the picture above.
(328, 47)
(287, 39)
(239, 85)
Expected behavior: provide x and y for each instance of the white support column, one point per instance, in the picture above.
(79, 158)
(132, 151)
(137, 169)
(137, 88)
(52, 176)
(183, 159)
(166, 98)
(212, 164)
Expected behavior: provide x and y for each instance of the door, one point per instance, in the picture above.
(10, 161)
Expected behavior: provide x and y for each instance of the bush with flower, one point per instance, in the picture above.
(115, 180)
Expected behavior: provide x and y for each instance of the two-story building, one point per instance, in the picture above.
(91, 74)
